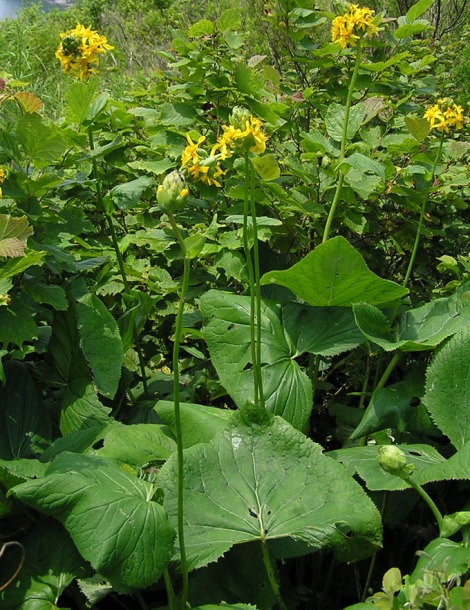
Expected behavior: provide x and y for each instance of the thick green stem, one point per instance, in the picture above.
(257, 288)
(421, 215)
(344, 139)
(120, 260)
(427, 498)
(255, 327)
(270, 571)
(176, 402)
(169, 590)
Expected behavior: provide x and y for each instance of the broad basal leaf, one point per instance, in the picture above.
(447, 396)
(334, 120)
(17, 323)
(335, 274)
(126, 196)
(51, 563)
(417, 329)
(199, 424)
(286, 388)
(111, 517)
(138, 444)
(259, 479)
(428, 465)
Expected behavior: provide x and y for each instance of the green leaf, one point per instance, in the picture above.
(418, 9)
(287, 389)
(18, 265)
(335, 274)
(364, 164)
(199, 424)
(334, 120)
(266, 167)
(101, 343)
(47, 293)
(127, 195)
(388, 408)
(416, 329)
(363, 461)
(51, 564)
(78, 100)
(260, 479)
(80, 406)
(111, 517)
(138, 444)
(13, 235)
(17, 323)
(204, 27)
(418, 127)
(407, 30)
(44, 144)
(327, 331)
(447, 381)
(24, 423)
(230, 19)
(443, 556)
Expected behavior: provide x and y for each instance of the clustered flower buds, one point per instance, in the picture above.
(172, 193)
(79, 50)
(347, 29)
(444, 115)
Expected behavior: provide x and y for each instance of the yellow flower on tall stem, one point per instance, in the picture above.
(79, 51)
(347, 29)
(445, 115)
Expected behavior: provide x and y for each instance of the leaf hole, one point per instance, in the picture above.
(99, 444)
(345, 529)
(248, 366)
(230, 326)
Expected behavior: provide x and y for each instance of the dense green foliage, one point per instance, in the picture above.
(248, 391)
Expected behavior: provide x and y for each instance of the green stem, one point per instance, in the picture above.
(421, 215)
(257, 288)
(176, 402)
(251, 280)
(169, 590)
(344, 139)
(119, 258)
(427, 498)
(270, 571)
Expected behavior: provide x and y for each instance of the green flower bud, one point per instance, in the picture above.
(172, 193)
(71, 45)
(393, 460)
(239, 117)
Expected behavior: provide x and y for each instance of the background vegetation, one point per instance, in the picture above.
(366, 322)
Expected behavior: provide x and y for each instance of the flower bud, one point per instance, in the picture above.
(172, 193)
(393, 460)
(239, 117)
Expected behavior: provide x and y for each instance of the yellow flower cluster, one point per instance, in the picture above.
(444, 115)
(244, 133)
(79, 51)
(347, 29)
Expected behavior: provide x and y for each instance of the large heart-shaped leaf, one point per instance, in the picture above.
(335, 274)
(260, 479)
(447, 382)
(287, 389)
(111, 516)
(13, 235)
(416, 329)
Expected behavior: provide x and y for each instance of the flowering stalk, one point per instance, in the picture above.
(344, 138)
(421, 213)
(120, 261)
(254, 281)
(176, 403)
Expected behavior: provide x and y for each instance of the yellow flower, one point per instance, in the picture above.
(347, 29)
(2, 180)
(245, 134)
(191, 153)
(79, 50)
(444, 115)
